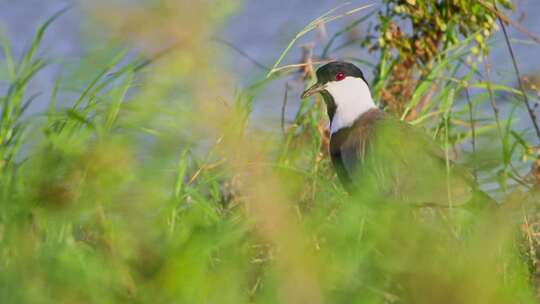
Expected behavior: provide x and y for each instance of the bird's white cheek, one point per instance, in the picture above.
(352, 98)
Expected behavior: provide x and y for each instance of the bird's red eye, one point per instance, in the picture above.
(340, 76)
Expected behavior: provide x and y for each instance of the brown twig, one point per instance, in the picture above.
(503, 18)
(307, 59)
(528, 230)
(530, 110)
(241, 52)
(299, 65)
(473, 132)
(284, 106)
(155, 57)
(493, 102)
(206, 167)
(494, 106)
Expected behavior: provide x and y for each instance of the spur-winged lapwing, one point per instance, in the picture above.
(372, 150)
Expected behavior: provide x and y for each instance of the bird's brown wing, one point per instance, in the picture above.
(349, 146)
(397, 160)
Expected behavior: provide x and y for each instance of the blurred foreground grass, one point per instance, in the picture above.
(147, 185)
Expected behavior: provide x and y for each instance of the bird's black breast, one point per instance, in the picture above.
(394, 159)
(349, 146)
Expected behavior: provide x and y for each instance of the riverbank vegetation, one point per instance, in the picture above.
(145, 180)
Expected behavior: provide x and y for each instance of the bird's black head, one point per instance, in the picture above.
(337, 71)
(335, 74)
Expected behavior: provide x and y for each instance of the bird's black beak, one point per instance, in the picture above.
(316, 88)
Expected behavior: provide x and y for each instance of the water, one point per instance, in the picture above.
(279, 20)
(261, 29)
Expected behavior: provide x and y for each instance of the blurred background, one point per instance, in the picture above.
(260, 30)
(158, 151)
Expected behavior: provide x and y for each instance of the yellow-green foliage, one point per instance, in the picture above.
(149, 185)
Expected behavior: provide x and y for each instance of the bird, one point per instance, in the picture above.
(372, 150)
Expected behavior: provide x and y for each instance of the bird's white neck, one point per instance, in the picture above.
(352, 98)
